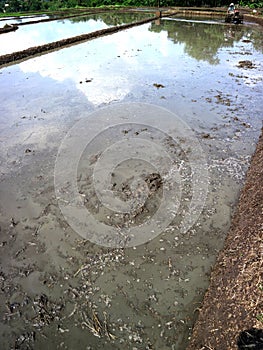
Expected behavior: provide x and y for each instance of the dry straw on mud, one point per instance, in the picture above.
(234, 300)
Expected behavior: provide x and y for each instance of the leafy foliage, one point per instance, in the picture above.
(252, 4)
(37, 5)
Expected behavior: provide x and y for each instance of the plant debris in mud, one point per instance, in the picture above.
(37, 313)
(96, 326)
(250, 339)
(246, 64)
(25, 340)
(158, 86)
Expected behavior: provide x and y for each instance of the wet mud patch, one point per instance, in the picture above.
(131, 181)
(8, 28)
(62, 288)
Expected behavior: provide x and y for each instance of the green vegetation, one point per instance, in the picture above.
(14, 6)
(251, 4)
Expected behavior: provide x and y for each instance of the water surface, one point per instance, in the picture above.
(148, 296)
(42, 33)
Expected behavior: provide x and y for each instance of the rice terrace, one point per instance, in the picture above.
(131, 175)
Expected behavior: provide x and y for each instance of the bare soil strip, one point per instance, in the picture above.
(234, 300)
(255, 19)
(37, 50)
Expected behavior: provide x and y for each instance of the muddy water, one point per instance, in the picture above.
(61, 291)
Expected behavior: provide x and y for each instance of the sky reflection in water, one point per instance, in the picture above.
(121, 57)
(42, 33)
(114, 65)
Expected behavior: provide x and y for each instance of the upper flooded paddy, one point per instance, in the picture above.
(62, 291)
(22, 19)
(41, 33)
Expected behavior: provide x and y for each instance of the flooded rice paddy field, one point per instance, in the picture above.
(61, 291)
(42, 33)
(22, 19)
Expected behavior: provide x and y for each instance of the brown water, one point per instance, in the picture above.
(146, 296)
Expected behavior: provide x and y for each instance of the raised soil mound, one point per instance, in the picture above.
(234, 300)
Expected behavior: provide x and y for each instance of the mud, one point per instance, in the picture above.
(61, 291)
(254, 19)
(8, 28)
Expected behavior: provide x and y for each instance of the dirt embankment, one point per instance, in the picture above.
(252, 18)
(8, 28)
(216, 12)
(234, 300)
